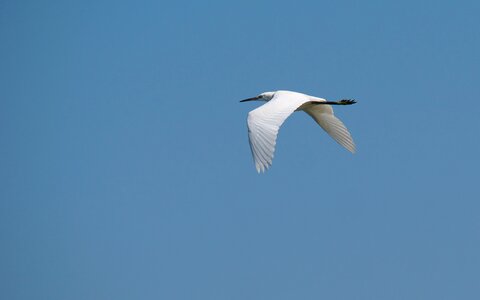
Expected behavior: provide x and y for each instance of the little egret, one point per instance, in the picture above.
(263, 122)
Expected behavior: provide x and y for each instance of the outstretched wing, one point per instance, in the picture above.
(264, 123)
(323, 115)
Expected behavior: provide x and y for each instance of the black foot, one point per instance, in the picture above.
(347, 101)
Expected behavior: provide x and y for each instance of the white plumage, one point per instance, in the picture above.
(265, 121)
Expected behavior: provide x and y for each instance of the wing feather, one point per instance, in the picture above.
(323, 115)
(264, 123)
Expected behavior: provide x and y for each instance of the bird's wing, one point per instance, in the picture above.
(323, 115)
(264, 122)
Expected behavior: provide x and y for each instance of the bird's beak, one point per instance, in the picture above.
(251, 99)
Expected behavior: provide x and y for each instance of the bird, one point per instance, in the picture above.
(264, 122)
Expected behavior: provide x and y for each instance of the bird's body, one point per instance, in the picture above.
(265, 121)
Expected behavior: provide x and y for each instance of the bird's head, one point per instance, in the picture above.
(267, 96)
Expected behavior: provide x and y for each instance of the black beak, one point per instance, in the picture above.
(251, 99)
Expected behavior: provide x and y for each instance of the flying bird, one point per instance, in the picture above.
(264, 122)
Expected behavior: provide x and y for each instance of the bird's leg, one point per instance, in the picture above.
(341, 102)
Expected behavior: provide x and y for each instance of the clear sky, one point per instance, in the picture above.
(126, 173)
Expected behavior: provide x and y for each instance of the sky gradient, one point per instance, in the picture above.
(126, 173)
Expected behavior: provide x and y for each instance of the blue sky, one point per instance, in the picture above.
(126, 172)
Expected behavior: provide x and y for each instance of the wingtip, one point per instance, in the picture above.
(261, 168)
(353, 150)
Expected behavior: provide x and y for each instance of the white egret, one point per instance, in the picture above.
(264, 122)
